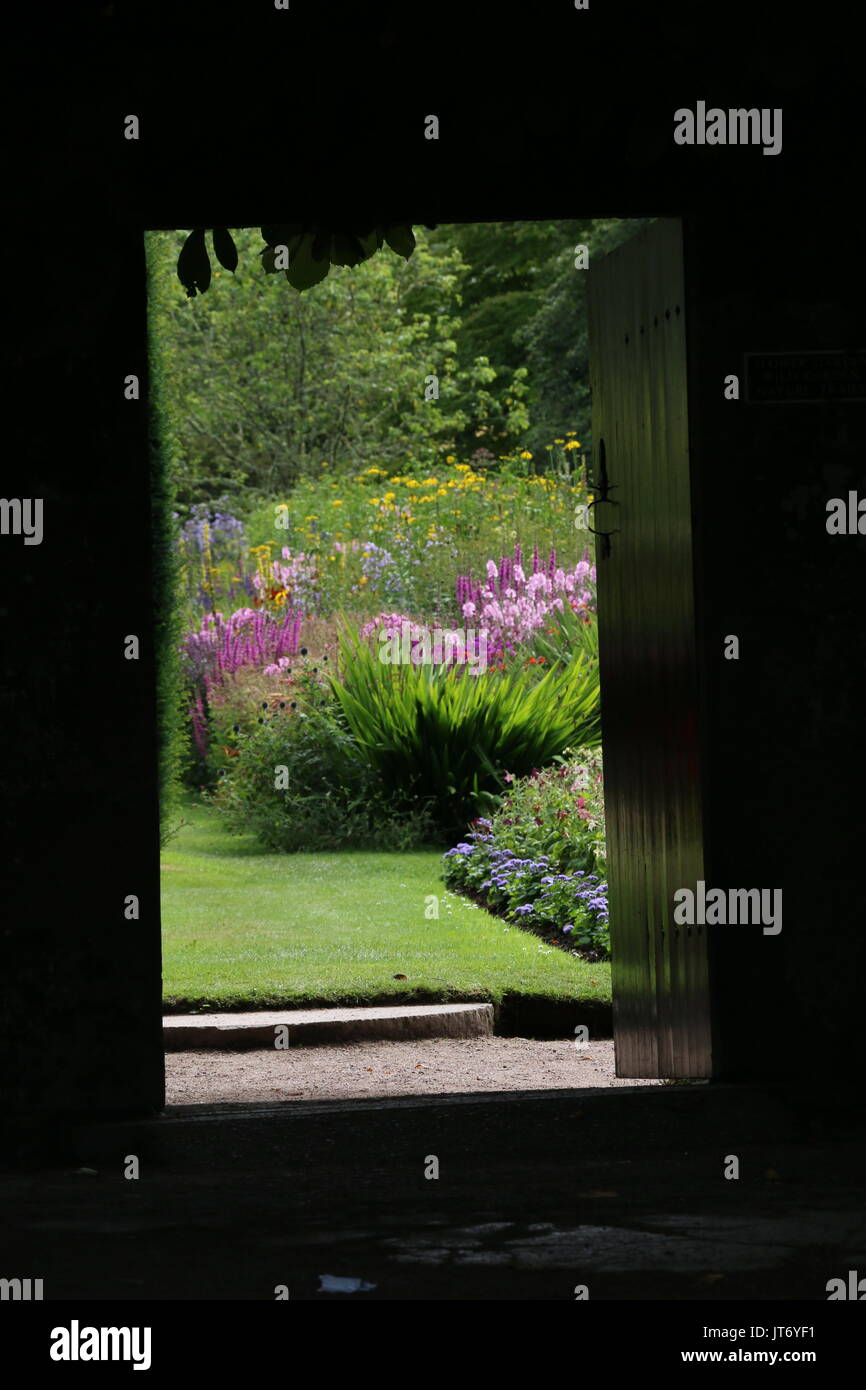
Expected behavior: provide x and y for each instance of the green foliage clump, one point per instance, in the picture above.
(172, 728)
(449, 737)
(540, 859)
(556, 338)
(297, 780)
(566, 636)
(268, 383)
(558, 812)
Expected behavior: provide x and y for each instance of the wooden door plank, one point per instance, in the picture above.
(648, 655)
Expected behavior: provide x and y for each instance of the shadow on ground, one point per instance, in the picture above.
(622, 1190)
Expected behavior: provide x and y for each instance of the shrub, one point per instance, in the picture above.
(171, 729)
(540, 860)
(449, 736)
(333, 797)
(558, 812)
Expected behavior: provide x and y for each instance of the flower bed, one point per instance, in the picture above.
(475, 665)
(512, 606)
(540, 860)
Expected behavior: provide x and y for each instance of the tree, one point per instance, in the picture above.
(556, 339)
(267, 383)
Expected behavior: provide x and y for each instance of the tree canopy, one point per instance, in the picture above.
(463, 338)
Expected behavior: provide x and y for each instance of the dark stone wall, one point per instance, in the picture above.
(249, 115)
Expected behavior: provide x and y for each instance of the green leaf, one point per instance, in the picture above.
(369, 241)
(452, 735)
(346, 249)
(281, 232)
(321, 246)
(193, 264)
(268, 254)
(400, 238)
(304, 271)
(224, 248)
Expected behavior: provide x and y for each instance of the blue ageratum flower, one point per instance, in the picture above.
(527, 907)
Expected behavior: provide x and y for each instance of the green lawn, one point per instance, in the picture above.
(242, 927)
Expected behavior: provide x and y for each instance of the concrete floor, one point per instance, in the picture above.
(620, 1189)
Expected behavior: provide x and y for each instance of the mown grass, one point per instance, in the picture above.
(243, 928)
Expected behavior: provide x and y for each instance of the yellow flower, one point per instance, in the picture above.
(323, 464)
(431, 482)
(374, 502)
(363, 579)
(462, 468)
(568, 432)
(311, 518)
(389, 496)
(572, 444)
(559, 441)
(526, 454)
(449, 458)
(336, 502)
(411, 482)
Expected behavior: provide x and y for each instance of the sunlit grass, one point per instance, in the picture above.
(241, 927)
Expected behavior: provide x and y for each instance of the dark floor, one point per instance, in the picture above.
(621, 1190)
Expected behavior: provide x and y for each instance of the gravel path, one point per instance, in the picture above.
(427, 1067)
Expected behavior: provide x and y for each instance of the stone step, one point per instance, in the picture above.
(311, 1026)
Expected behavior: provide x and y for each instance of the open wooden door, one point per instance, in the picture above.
(648, 653)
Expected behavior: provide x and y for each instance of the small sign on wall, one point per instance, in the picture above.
(804, 378)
